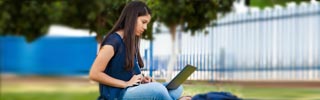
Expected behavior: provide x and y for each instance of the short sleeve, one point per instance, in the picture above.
(112, 40)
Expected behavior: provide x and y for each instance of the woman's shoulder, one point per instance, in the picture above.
(112, 39)
(113, 36)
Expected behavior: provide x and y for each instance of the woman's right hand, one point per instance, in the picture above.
(134, 80)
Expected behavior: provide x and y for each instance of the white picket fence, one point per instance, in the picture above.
(271, 44)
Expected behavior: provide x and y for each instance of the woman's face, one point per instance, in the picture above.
(142, 23)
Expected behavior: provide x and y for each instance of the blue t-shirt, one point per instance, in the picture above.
(116, 68)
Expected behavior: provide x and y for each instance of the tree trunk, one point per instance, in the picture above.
(173, 58)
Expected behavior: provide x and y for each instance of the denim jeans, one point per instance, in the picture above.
(152, 91)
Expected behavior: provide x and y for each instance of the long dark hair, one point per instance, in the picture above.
(127, 22)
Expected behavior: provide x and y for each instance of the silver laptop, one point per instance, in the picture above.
(181, 77)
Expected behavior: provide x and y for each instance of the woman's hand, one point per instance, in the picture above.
(146, 79)
(134, 80)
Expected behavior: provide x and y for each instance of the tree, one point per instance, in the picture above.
(32, 18)
(97, 16)
(192, 15)
(270, 3)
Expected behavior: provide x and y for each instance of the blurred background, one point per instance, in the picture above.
(260, 49)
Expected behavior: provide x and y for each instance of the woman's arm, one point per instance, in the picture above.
(99, 65)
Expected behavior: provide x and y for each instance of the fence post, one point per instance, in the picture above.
(151, 58)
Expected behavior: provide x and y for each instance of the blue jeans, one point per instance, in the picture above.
(152, 91)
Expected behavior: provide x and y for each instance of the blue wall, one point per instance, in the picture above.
(47, 55)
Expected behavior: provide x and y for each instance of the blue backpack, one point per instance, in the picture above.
(215, 96)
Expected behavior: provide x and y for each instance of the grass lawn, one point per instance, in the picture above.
(87, 91)
(249, 92)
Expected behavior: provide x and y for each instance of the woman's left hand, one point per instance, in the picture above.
(146, 79)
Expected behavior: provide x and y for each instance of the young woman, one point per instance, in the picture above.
(117, 65)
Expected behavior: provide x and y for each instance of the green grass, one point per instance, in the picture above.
(258, 93)
(49, 96)
(90, 91)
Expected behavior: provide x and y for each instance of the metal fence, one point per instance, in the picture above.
(271, 44)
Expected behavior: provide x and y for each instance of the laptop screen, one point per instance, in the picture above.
(181, 77)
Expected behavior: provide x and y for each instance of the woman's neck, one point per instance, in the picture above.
(120, 32)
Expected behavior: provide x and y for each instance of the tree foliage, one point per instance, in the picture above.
(32, 18)
(97, 15)
(193, 15)
(27, 18)
(269, 3)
